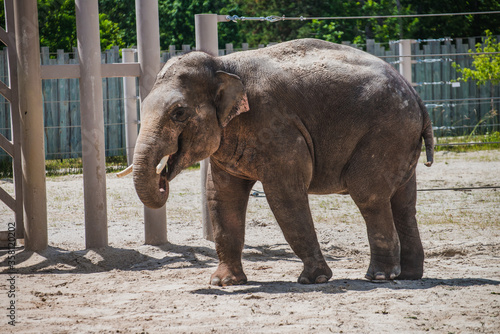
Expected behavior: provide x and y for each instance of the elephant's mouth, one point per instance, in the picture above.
(169, 167)
(152, 181)
(167, 170)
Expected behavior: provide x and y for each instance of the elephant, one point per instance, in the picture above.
(302, 117)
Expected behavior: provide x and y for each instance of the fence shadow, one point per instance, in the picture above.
(59, 261)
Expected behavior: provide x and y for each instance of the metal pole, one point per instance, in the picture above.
(92, 119)
(129, 92)
(404, 59)
(148, 47)
(32, 132)
(205, 26)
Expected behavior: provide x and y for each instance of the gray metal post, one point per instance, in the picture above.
(405, 59)
(92, 119)
(207, 41)
(32, 132)
(129, 94)
(148, 47)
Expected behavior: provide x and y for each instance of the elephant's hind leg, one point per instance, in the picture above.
(383, 239)
(372, 193)
(403, 210)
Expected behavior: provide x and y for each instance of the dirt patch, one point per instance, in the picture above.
(130, 287)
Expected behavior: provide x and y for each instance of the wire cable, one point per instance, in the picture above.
(275, 18)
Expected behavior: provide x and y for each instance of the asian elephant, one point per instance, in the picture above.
(302, 117)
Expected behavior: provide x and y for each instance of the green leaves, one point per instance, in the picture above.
(57, 25)
(118, 23)
(486, 67)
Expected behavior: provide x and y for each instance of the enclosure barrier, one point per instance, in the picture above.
(93, 148)
(13, 147)
(149, 55)
(148, 46)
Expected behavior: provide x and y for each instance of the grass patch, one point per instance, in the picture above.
(75, 165)
(194, 167)
(60, 167)
(471, 143)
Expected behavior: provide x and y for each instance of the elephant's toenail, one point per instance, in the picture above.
(321, 279)
(227, 281)
(304, 280)
(216, 281)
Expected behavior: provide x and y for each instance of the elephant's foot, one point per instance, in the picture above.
(411, 271)
(320, 273)
(381, 271)
(412, 262)
(224, 276)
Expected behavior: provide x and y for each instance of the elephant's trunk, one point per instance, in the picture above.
(151, 186)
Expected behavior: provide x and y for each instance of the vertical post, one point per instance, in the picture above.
(405, 59)
(205, 26)
(148, 47)
(32, 132)
(92, 119)
(129, 94)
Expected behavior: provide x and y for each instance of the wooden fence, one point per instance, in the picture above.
(455, 110)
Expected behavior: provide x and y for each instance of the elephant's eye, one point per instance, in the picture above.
(180, 115)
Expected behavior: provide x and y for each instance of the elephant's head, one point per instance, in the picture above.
(182, 120)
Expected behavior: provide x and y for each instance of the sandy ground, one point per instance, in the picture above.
(130, 287)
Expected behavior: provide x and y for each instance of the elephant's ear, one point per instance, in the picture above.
(231, 99)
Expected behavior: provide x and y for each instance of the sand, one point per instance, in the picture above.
(130, 287)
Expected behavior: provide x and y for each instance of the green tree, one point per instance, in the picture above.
(118, 23)
(485, 70)
(57, 25)
(452, 26)
(486, 67)
(122, 14)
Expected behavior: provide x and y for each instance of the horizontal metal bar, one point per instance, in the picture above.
(461, 188)
(4, 37)
(6, 145)
(7, 199)
(118, 70)
(465, 99)
(275, 18)
(5, 91)
(443, 54)
(72, 71)
(60, 71)
(465, 144)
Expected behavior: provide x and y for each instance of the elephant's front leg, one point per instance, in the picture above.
(290, 205)
(227, 202)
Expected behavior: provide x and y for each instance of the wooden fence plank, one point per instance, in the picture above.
(63, 109)
(5, 126)
(75, 139)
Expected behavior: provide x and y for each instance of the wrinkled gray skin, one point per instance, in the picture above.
(303, 117)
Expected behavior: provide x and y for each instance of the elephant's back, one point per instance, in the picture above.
(326, 81)
(302, 56)
(341, 95)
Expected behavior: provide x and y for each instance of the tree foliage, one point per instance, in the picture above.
(118, 23)
(485, 67)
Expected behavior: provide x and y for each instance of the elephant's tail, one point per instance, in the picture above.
(428, 136)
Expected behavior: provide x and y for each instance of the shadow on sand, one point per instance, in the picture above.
(342, 286)
(59, 261)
